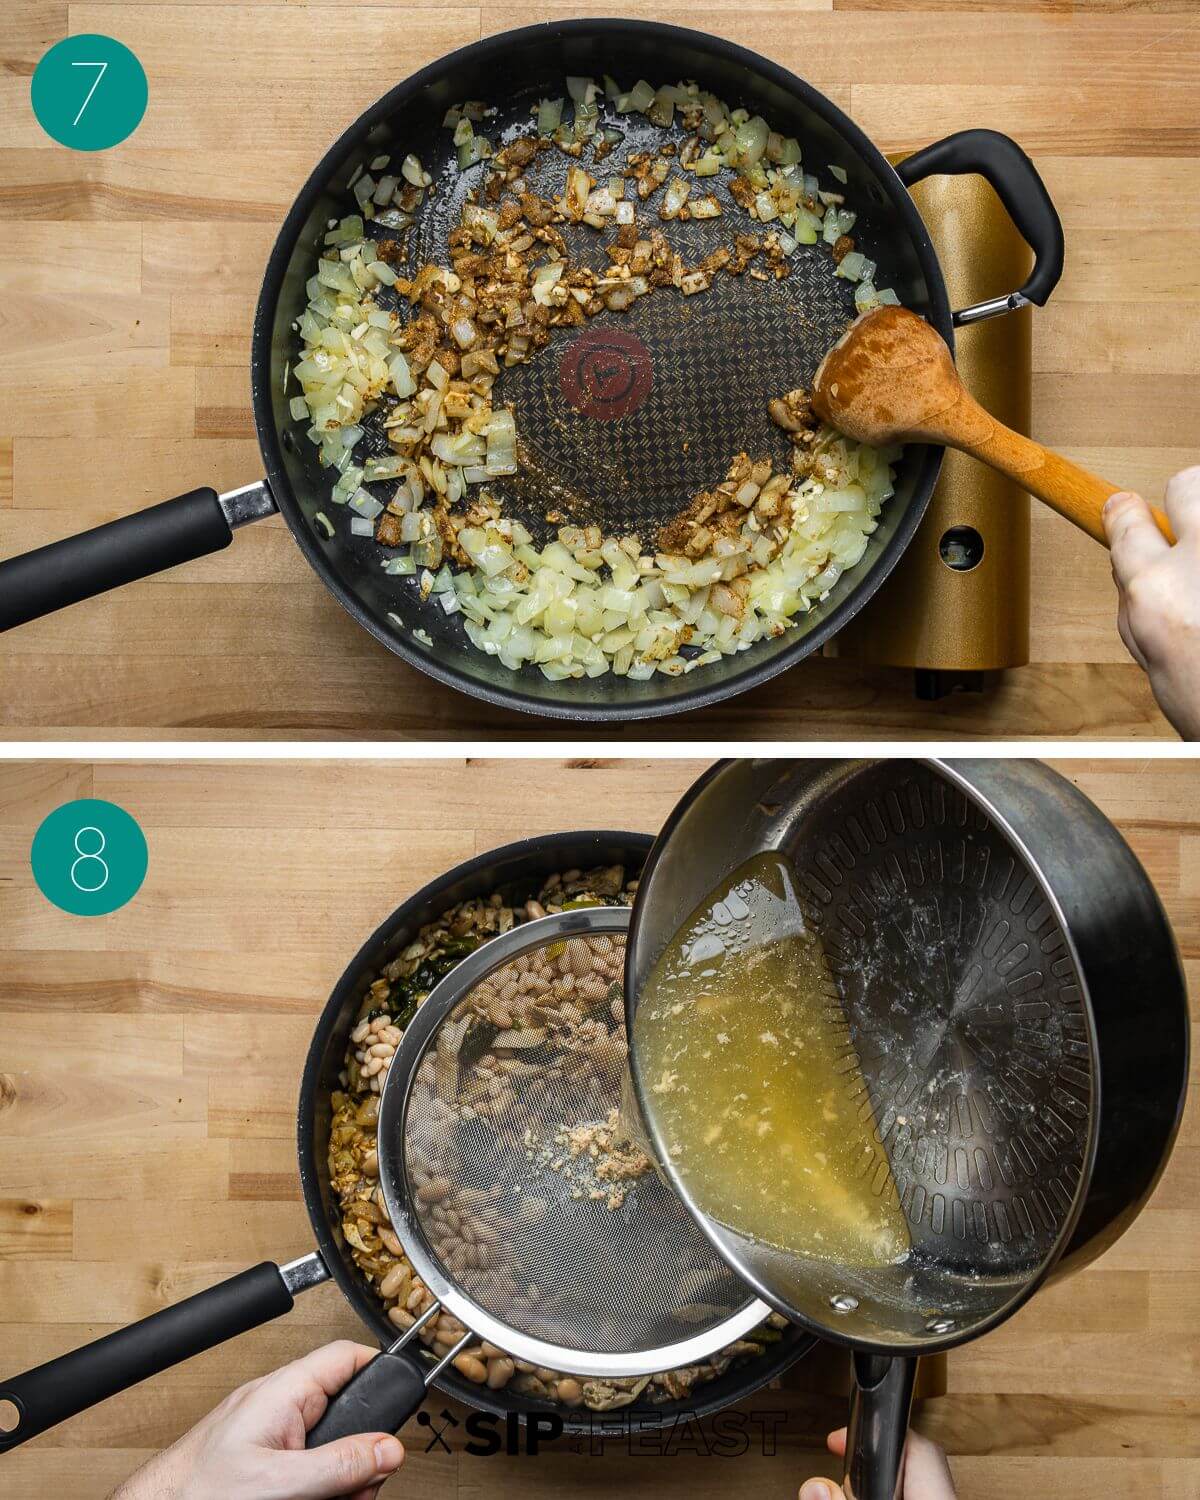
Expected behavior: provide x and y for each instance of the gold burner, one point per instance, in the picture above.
(949, 622)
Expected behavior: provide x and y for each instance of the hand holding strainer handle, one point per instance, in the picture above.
(385, 1392)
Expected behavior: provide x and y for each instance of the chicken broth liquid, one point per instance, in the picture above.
(752, 1083)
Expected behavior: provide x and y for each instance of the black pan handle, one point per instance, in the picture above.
(999, 160)
(880, 1401)
(149, 541)
(380, 1398)
(72, 1383)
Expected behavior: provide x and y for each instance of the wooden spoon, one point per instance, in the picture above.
(891, 379)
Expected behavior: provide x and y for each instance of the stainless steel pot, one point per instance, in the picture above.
(1018, 1011)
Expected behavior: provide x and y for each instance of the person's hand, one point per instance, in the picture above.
(252, 1446)
(1159, 586)
(926, 1472)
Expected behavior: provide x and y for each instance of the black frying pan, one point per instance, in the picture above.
(716, 360)
(62, 1388)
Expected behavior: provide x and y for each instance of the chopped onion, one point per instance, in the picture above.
(639, 98)
(674, 198)
(851, 266)
(549, 116)
(366, 504)
(402, 380)
(662, 110)
(751, 139)
(346, 485)
(544, 279)
(865, 296)
(766, 208)
(587, 117)
(477, 149)
(501, 443)
(387, 466)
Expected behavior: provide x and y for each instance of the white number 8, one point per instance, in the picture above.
(89, 857)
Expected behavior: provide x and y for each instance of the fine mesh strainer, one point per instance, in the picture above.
(526, 1206)
(998, 954)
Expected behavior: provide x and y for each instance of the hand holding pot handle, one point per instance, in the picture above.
(926, 1473)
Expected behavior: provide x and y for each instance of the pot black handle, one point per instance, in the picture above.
(880, 1401)
(66, 1386)
(380, 1398)
(149, 541)
(1019, 187)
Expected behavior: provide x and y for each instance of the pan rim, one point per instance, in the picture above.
(443, 668)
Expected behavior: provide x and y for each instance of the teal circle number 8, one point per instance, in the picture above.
(89, 857)
(89, 92)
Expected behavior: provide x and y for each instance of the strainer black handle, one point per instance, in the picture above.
(380, 1398)
(1019, 186)
(880, 1400)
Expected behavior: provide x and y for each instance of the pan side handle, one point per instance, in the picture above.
(74, 1382)
(1019, 186)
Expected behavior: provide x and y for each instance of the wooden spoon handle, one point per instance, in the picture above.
(1071, 491)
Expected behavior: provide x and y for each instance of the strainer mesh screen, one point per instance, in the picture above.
(522, 1174)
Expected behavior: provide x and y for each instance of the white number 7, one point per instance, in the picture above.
(102, 66)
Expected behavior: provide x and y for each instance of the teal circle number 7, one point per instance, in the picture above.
(89, 92)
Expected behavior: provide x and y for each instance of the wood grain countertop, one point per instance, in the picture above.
(130, 280)
(149, 1066)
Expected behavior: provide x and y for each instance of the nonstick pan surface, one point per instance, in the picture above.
(712, 361)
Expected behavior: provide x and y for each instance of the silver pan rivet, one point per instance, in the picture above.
(940, 1325)
(843, 1302)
